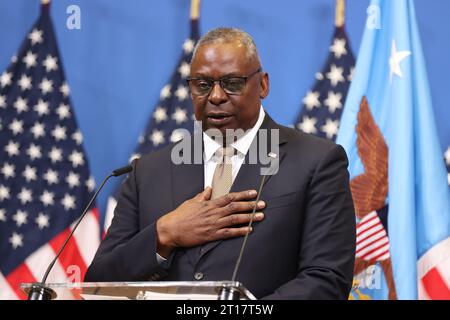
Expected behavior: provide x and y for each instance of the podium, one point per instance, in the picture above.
(149, 290)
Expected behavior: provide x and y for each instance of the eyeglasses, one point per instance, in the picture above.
(230, 84)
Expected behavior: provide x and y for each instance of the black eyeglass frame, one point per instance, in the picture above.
(213, 83)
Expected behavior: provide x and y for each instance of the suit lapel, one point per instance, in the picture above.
(187, 181)
(249, 175)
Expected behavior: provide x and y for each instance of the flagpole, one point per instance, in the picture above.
(45, 5)
(340, 13)
(195, 9)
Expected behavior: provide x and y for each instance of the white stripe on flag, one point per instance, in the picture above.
(444, 270)
(437, 258)
(87, 237)
(38, 263)
(370, 232)
(110, 207)
(433, 257)
(385, 256)
(374, 237)
(372, 247)
(6, 292)
(367, 222)
(39, 260)
(377, 253)
(422, 293)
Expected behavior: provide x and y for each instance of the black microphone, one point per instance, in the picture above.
(231, 292)
(38, 290)
(120, 171)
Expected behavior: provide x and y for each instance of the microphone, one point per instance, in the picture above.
(38, 290)
(120, 171)
(231, 292)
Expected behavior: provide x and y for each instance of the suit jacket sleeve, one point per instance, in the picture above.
(116, 259)
(326, 257)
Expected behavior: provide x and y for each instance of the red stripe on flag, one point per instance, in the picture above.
(365, 255)
(363, 237)
(435, 286)
(364, 222)
(22, 274)
(71, 256)
(373, 241)
(377, 258)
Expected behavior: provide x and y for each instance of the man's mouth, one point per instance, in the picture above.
(219, 119)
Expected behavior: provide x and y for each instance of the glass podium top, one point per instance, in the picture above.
(149, 290)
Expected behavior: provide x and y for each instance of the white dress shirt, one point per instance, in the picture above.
(242, 145)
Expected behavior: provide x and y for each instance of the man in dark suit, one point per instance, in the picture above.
(187, 221)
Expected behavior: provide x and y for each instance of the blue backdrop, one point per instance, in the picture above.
(125, 52)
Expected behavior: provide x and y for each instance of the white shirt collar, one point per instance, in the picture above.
(241, 145)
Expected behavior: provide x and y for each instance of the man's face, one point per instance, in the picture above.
(220, 110)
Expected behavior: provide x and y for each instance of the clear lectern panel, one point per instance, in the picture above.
(150, 290)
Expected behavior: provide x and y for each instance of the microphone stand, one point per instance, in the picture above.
(39, 291)
(231, 291)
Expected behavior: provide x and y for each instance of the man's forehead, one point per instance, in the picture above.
(221, 50)
(229, 55)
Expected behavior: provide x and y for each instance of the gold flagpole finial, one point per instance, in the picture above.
(195, 9)
(340, 13)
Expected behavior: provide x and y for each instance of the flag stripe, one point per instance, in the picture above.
(433, 271)
(38, 262)
(377, 253)
(372, 230)
(366, 223)
(22, 274)
(6, 292)
(374, 248)
(371, 240)
(88, 232)
(434, 256)
(110, 207)
(374, 244)
(435, 285)
(423, 295)
(70, 257)
(382, 256)
(444, 271)
(369, 217)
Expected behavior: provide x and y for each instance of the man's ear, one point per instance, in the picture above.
(264, 91)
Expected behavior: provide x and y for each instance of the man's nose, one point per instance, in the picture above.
(217, 95)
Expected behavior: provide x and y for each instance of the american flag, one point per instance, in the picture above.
(447, 162)
(372, 242)
(174, 111)
(323, 105)
(44, 176)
